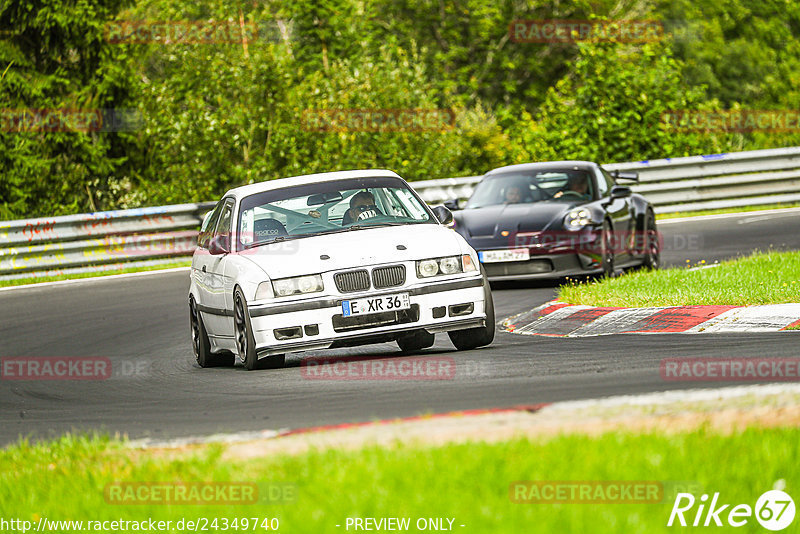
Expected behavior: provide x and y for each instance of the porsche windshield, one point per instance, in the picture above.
(327, 207)
(557, 185)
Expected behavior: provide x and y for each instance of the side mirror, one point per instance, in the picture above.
(452, 204)
(620, 191)
(219, 244)
(444, 215)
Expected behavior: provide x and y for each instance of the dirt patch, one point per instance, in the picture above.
(724, 411)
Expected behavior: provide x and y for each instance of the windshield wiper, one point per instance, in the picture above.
(282, 238)
(365, 226)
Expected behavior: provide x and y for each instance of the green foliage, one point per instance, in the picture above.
(53, 57)
(610, 106)
(218, 115)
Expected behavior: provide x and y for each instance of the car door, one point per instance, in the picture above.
(619, 210)
(218, 316)
(202, 259)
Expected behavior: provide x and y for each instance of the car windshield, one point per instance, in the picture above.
(542, 185)
(328, 207)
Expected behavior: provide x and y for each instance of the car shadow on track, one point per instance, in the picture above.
(534, 284)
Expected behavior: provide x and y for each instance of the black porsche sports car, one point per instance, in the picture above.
(553, 219)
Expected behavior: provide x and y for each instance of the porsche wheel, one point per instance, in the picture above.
(245, 342)
(200, 343)
(652, 253)
(472, 338)
(416, 341)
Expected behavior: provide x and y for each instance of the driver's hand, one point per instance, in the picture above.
(560, 193)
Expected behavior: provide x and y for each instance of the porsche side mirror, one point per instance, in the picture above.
(620, 191)
(444, 215)
(219, 244)
(452, 204)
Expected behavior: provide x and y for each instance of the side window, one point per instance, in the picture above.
(208, 226)
(605, 182)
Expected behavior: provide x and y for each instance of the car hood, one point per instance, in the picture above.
(489, 221)
(347, 250)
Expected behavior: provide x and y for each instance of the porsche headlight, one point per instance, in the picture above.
(446, 265)
(577, 219)
(297, 285)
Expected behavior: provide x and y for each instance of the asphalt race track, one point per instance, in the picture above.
(141, 324)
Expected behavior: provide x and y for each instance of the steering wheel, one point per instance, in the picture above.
(572, 193)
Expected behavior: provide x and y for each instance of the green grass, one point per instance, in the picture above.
(38, 280)
(470, 482)
(763, 278)
(740, 209)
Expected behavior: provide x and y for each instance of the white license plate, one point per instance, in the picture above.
(497, 256)
(384, 303)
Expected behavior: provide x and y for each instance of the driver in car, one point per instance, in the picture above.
(577, 186)
(362, 206)
(514, 194)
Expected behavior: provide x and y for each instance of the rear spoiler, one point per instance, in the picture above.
(631, 176)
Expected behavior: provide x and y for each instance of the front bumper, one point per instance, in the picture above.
(317, 323)
(552, 255)
(543, 266)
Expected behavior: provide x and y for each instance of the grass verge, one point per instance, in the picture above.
(66, 479)
(740, 209)
(762, 278)
(38, 280)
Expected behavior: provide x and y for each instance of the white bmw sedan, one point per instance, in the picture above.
(331, 260)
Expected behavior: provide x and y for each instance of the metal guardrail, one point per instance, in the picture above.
(98, 241)
(151, 236)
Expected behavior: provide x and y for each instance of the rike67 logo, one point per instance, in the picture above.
(774, 510)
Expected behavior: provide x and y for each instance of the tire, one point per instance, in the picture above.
(607, 251)
(416, 341)
(652, 251)
(245, 342)
(472, 338)
(201, 344)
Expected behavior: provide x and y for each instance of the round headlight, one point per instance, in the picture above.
(428, 268)
(450, 265)
(577, 219)
(283, 288)
(307, 284)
